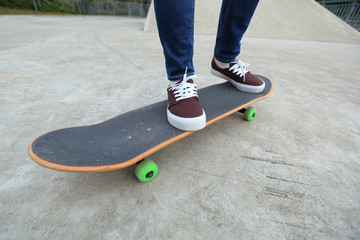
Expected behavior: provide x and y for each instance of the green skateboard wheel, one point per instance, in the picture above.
(146, 170)
(249, 113)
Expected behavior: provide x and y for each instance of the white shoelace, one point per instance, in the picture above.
(240, 68)
(183, 89)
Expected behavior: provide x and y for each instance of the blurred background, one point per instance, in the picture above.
(349, 11)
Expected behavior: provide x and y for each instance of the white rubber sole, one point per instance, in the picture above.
(239, 86)
(187, 124)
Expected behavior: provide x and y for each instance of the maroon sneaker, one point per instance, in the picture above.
(239, 76)
(184, 111)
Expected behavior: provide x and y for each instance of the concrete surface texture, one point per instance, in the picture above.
(292, 173)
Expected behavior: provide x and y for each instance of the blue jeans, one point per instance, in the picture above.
(175, 21)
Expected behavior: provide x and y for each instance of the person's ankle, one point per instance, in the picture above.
(221, 64)
(172, 83)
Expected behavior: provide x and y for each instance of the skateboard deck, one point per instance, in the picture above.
(130, 137)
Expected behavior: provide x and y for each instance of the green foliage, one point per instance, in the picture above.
(18, 4)
(59, 6)
(55, 6)
(133, 1)
(43, 5)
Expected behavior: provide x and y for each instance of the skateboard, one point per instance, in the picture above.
(131, 137)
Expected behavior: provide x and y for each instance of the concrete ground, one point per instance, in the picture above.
(292, 173)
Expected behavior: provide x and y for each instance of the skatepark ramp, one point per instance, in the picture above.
(347, 11)
(276, 19)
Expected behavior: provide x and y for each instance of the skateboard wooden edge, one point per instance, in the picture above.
(132, 161)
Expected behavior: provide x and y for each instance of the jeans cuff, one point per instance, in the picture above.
(224, 60)
(179, 77)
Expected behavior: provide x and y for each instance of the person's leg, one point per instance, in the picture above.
(175, 21)
(234, 19)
